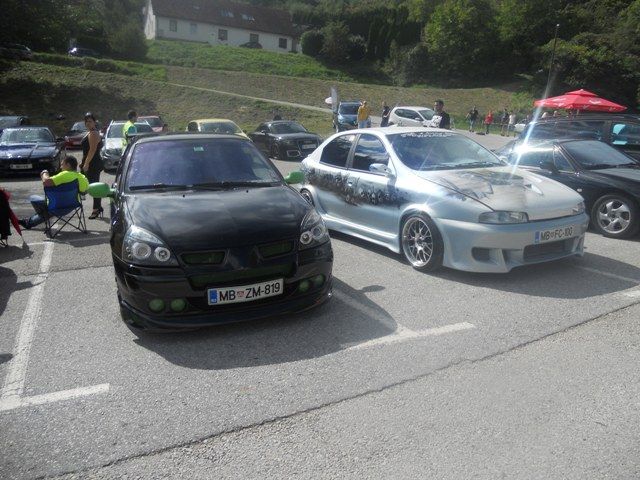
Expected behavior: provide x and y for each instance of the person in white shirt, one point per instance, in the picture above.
(512, 124)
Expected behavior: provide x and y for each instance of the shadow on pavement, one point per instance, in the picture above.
(348, 319)
(9, 284)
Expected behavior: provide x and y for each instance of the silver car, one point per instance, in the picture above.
(440, 198)
(112, 142)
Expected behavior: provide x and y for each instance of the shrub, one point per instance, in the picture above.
(311, 42)
(336, 41)
(357, 47)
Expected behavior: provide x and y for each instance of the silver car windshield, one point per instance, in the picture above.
(440, 151)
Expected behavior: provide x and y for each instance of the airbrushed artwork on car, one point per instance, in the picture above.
(354, 190)
(484, 183)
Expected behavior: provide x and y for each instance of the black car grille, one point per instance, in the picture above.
(275, 249)
(241, 276)
(536, 252)
(215, 257)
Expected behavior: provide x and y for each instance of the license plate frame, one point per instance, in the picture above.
(245, 293)
(308, 146)
(21, 166)
(555, 234)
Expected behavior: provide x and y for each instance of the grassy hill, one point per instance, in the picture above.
(43, 91)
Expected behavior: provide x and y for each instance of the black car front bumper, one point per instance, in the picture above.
(28, 165)
(138, 286)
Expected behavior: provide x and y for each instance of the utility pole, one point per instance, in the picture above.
(553, 57)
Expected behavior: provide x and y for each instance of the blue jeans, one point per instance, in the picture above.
(40, 206)
(363, 124)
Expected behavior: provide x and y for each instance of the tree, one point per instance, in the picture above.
(311, 42)
(357, 48)
(336, 38)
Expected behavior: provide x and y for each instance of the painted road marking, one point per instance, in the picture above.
(70, 241)
(401, 333)
(609, 274)
(13, 389)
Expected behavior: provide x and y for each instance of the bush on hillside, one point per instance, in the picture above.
(336, 41)
(357, 48)
(311, 42)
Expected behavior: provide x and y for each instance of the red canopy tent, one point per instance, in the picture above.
(580, 100)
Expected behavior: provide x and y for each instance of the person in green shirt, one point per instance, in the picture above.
(129, 128)
(68, 173)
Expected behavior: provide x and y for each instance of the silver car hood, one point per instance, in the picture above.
(509, 189)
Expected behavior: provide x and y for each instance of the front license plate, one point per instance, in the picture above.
(245, 293)
(552, 235)
(308, 146)
(20, 166)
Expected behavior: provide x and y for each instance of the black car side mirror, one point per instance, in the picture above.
(547, 165)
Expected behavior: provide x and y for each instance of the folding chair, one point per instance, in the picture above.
(64, 205)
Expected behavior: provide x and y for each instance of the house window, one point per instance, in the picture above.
(226, 13)
(254, 38)
(282, 43)
(173, 25)
(193, 28)
(222, 34)
(248, 17)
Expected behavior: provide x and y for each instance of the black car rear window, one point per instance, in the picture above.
(198, 161)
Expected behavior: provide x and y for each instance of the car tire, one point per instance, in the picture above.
(306, 194)
(615, 216)
(421, 243)
(274, 152)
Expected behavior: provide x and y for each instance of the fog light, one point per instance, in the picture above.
(318, 280)
(178, 304)
(304, 286)
(156, 305)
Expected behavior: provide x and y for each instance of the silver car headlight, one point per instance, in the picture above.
(578, 209)
(142, 247)
(503, 217)
(314, 231)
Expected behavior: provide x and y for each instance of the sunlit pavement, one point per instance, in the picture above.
(532, 374)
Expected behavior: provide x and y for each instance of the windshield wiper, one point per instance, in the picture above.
(599, 166)
(227, 184)
(160, 186)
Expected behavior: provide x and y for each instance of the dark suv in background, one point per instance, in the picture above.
(620, 131)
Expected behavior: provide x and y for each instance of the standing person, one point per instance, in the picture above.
(488, 120)
(91, 164)
(386, 112)
(472, 116)
(129, 128)
(363, 115)
(440, 118)
(504, 121)
(68, 173)
(512, 124)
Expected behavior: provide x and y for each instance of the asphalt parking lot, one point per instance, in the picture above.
(531, 374)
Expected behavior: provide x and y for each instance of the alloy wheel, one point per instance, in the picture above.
(417, 242)
(614, 216)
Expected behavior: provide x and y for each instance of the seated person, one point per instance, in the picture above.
(68, 173)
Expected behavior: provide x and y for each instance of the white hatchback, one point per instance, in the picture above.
(410, 116)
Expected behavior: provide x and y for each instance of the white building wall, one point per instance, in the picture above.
(207, 33)
(150, 22)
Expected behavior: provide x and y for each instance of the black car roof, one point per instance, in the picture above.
(158, 137)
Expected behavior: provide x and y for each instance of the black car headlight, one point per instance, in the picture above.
(144, 248)
(314, 231)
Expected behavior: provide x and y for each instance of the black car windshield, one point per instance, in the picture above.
(289, 127)
(440, 151)
(217, 162)
(348, 109)
(224, 128)
(26, 135)
(591, 155)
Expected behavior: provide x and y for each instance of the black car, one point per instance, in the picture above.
(206, 231)
(284, 139)
(608, 180)
(30, 149)
(15, 51)
(83, 52)
(621, 131)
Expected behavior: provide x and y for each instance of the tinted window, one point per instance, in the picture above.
(625, 133)
(337, 151)
(532, 158)
(580, 129)
(593, 154)
(561, 161)
(427, 114)
(369, 150)
(541, 130)
(220, 127)
(440, 151)
(153, 121)
(188, 162)
(289, 127)
(348, 109)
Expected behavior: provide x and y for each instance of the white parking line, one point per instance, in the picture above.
(401, 333)
(70, 241)
(609, 274)
(11, 394)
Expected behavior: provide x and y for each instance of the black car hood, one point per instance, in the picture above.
(205, 220)
(296, 136)
(619, 176)
(28, 150)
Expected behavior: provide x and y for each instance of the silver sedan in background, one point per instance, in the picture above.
(440, 198)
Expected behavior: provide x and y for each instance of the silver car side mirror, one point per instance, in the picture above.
(380, 168)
